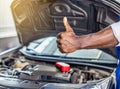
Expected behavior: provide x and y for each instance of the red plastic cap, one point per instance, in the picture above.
(63, 66)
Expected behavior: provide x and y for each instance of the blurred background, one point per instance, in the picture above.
(8, 35)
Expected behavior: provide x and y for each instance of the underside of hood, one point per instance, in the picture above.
(36, 19)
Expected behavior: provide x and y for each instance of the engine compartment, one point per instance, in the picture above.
(19, 67)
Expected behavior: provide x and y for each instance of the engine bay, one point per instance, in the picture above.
(39, 64)
(55, 72)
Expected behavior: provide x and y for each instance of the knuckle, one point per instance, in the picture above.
(61, 50)
(62, 35)
(59, 35)
(62, 42)
(65, 51)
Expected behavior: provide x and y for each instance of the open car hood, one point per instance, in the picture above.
(36, 19)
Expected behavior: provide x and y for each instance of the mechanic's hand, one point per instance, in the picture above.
(67, 41)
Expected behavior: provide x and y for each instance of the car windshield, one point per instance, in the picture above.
(46, 46)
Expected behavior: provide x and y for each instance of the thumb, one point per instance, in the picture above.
(67, 26)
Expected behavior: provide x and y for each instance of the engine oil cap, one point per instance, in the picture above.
(64, 67)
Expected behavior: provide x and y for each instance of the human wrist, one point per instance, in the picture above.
(79, 42)
(83, 42)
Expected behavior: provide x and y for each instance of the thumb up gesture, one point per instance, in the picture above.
(67, 26)
(67, 41)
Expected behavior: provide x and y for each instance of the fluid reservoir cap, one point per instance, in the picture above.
(64, 67)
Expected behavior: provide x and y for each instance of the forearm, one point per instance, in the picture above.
(69, 42)
(102, 39)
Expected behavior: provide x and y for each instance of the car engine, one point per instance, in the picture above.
(21, 68)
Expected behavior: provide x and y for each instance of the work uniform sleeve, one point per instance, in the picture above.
(116, 30)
